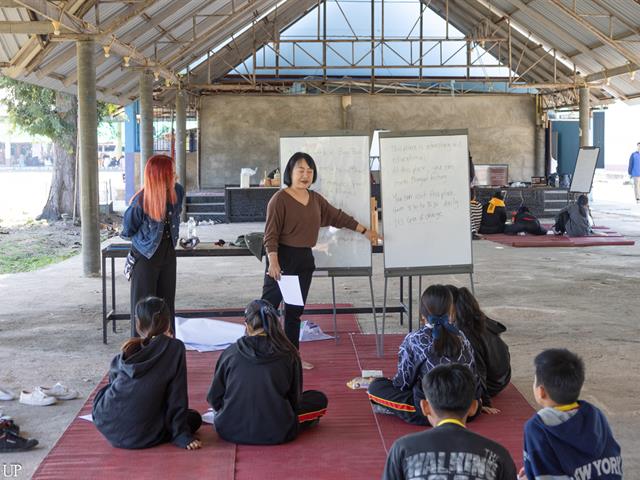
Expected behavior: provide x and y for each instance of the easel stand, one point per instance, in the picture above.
(349, 272)
(415, 272)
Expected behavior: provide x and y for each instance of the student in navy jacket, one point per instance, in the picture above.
(437, 342)
(568, 438)
(145, 402)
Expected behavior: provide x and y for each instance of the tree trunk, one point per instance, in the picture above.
(61, 194)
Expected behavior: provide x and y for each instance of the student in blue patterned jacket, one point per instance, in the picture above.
(437, 342)
(567, 439)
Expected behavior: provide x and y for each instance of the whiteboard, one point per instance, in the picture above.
(425, 202)
(584, 170)
(343, 179)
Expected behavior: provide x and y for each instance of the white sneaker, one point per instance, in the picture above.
(6, 394)
(60, 392)
(37, 398)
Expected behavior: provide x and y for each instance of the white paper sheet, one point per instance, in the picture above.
(290, 288)
(207, 335)
(88, 418)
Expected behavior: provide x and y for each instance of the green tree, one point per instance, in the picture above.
(42, 111)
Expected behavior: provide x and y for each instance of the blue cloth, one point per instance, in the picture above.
(634, 164)
(440, 322)
(565, 445)
(144, 232)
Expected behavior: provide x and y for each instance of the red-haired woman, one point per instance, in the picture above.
(152, 223)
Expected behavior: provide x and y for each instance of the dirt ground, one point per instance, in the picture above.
(36, 244)
(585, 299)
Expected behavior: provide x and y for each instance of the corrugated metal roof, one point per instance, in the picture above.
(166, 27)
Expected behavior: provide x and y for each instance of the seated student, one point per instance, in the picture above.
(476, 215)
(494, 215)
(448, 451)
(145, 401)
(493, 361)
(567, 438)
(256, 390)
(575, 219)
(525, 221)
(437, 342)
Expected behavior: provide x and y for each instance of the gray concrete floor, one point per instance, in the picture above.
(585, 299)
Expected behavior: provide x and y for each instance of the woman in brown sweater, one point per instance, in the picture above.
(294, 217)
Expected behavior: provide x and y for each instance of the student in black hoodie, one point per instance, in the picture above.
(256, 390)
(145, 402)
(491, 353)
(494, 215)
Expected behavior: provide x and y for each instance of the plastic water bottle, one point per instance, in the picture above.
(191, 228)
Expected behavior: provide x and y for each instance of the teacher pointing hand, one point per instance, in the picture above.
(294, 217)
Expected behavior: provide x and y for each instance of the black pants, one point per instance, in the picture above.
(194, 420)
(561, 222)
(533, 228)
(155, 276)
(293, 261)
(312, 406)
(400, 402)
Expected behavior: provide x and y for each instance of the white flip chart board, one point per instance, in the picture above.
(342, 161)
(585, 169)
(425, 202)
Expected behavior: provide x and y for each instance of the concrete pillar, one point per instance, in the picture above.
(538, 169)
(88, 157)
(146, 120)
(347, 113)
(585, 138)
(7, 148)
(181, 142)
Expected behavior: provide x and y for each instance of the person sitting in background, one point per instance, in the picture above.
(494, 215)
(525, 221)
(575, 219)
(476, 215)
(491, 353)
(448, 451)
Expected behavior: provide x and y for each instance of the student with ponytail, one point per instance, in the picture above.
(437, 342)
(152, 223)
(256, 390)
(145, 402)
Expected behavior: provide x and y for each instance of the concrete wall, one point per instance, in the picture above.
(243, 131)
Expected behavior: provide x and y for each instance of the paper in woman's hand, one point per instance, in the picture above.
(290, 288)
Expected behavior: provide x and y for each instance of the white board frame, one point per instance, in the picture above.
(333, 271)
(434, 269)
(584, 169)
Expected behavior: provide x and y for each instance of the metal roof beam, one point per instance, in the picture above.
(27, 28)
(77, 25)
(157, 19)
(174, 54)
(108, 27)
(604, 38)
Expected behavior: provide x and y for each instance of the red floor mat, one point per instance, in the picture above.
(611, 238)
(350, 441)
(505, 428)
